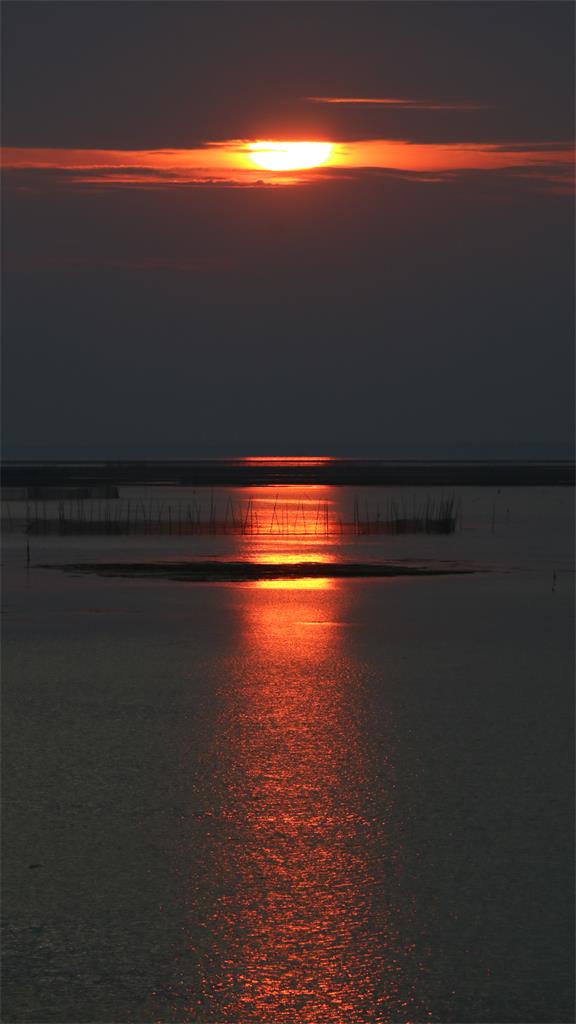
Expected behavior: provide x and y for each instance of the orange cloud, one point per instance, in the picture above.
(396, 104)
(231, 163)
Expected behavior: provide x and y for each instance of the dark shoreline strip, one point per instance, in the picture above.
(333, 472)
(240, 572)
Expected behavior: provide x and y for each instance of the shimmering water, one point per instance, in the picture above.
(293, 802)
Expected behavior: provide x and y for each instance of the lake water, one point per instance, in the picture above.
(321, 801)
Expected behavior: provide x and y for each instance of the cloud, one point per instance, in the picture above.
(395, 103)
(229, 164)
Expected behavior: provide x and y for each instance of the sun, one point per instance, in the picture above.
(289, 156)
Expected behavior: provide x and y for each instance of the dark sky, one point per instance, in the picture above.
(370, 312)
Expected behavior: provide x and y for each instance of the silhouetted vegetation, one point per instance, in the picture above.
(80, 517)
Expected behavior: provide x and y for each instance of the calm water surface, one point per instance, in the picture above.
(293, 802)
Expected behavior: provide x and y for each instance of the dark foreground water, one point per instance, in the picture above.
(322, 801)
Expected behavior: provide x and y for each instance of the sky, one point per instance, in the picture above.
(167, 294)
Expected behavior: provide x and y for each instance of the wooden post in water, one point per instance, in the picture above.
(212, 511)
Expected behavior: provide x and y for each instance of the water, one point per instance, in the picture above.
(293, 802)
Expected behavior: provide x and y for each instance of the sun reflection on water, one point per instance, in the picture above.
(288, 557)
(302, 941)
(298, 863)
(297, 534)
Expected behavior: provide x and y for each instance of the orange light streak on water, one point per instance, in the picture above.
(301, 947)
(298, 520)
(301, 954)
(286, 460)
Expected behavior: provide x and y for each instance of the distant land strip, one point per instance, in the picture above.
(242, 572)
(274, 472)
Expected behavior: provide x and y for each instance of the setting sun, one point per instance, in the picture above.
(289, 156)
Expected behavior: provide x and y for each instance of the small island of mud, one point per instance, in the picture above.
(242, 572)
